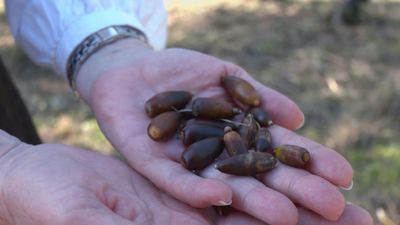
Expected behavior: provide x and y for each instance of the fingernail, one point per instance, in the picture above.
(348, 188)
(223, 203)
(349, 203)
(302, 122)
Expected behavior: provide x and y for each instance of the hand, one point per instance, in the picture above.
(53, 184)
(117, 81)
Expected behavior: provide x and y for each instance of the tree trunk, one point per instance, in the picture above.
(352, 13)
(14, 116)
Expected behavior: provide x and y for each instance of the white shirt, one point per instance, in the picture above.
(49, 30)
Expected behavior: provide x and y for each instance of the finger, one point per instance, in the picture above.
(306, 189)
(324, 162)
(253, 197)
(352, 214)
(238, 218)
(282, 110)
(170, 176)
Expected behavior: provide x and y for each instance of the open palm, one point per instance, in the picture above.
(117, 98)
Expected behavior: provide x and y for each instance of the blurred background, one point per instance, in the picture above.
(339, 60)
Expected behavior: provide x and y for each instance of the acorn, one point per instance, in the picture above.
(194, 132)
(247, 164)
(164, 126)
(211, 108)
(263, 140)
(292, 155)
(233, 142)
(241, 90)
(202, 153)
(166, 101)
(248, 130)
(213, 123)
(261, 116)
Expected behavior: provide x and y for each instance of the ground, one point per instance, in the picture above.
(345, 80)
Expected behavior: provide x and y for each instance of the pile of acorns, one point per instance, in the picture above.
(208, 127)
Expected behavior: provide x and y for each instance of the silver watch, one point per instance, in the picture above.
(96, 41)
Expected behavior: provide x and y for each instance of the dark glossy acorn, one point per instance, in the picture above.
(263, 140)
(261, 116)
(211, 108)
(247, 164)
(233, 142)
(164, 126)
(166, 101)
(212, 123)
(292, 155)
(248, 130)
(201, 154)
(194, 132)
(241, 90)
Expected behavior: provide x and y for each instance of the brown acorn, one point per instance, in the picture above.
(202, 153)
(194, 132)
(233, 142)
(164, 126)
(247, 164)
(248, 130)
(241, 90)
(166, 101)
(292, 155)
(212, 123)
(211, 108)
(263, 140)
(261, 116)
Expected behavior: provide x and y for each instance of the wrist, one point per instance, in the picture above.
(108, 58)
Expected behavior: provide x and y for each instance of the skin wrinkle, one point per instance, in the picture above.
(147, 217)
(164, 200)
(124, 207)
(243, 201)
(254, 191)
(8, 212)
(291, 186)
(145, 163)
(145, 159)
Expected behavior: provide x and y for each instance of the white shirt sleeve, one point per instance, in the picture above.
(49, 30)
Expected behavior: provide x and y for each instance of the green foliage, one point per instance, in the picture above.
(377, 167)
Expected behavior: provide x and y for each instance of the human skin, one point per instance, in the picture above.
(117, 80)
(52, 184)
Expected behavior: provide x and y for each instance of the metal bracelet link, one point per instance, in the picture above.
(95, 42)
